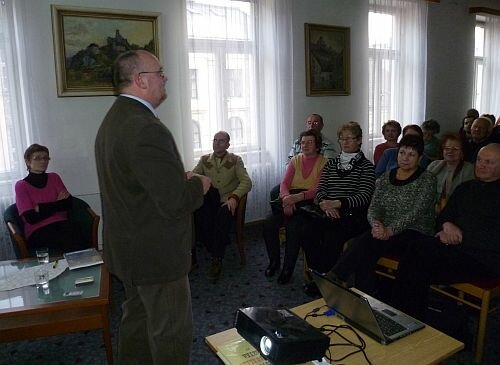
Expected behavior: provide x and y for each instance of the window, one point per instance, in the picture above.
(382, 65)
(397, 52)
(486, 97)
(478, 63)
(222, 63)
(196, 135)
(236, 130)
(13, 120)
(194, 84)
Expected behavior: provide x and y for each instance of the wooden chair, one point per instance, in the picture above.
(240, 226)
(80, 212)
(482, 295)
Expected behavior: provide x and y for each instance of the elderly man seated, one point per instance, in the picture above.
(466, 248)
(230, 181)
(315, 122)
(481, 135)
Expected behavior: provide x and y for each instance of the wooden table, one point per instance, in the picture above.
(28, 313)
(427, 346)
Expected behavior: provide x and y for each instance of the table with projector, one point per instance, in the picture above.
(426, 346)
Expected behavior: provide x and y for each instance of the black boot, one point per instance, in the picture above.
(285, 276)
(272, 268)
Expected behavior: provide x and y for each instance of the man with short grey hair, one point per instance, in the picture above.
(147, 205)
(315, 121)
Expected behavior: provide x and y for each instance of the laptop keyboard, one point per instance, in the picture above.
(388, 326)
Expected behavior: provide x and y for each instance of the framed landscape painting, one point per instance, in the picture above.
(87, 41)
(327, 60)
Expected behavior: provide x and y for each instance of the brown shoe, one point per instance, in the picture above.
(215, 269)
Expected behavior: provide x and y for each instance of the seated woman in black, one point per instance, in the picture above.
(344, 193)
(43, 203)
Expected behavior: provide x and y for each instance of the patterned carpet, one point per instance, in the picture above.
(214, 306)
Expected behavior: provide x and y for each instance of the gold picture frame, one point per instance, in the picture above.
(87, 41)
(327, 60)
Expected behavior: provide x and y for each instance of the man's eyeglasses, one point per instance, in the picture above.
(159, 72)
(41, 158)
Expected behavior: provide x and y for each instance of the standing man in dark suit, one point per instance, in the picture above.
(147, 204)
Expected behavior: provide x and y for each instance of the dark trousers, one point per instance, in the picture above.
(213, 223)
(323, 239)
(157, 324)
(362, 255)
(58, 237)
(428, 261)
(271, 228)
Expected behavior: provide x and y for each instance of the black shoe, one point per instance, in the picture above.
(215, 269)
(285, 276)
(271, 269)
(311, 289)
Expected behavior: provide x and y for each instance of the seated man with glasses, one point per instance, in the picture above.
(230, 181)
(327, 148)
(43, 202)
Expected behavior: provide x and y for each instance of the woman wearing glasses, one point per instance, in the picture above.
(43, 201)
(344, 193)
(297, 188)
(452, 170)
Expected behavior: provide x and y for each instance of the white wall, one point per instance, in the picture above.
(450, 62)
(335, 110)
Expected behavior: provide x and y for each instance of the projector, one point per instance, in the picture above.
(281, 336)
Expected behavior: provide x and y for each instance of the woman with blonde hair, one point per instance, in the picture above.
(344, 193)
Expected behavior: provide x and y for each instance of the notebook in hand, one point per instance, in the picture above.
(378, 320)
(83, 258)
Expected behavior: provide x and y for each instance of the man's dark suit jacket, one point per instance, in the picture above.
(147, 202)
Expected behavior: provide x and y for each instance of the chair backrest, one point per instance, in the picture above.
(15, 227)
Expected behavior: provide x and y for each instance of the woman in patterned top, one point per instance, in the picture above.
(401, 211)
(344, 193)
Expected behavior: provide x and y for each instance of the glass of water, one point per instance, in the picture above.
(42, 254)
(42, 278)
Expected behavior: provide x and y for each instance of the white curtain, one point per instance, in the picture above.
(397, 63)
(490, 91)
(14, 113)
(240, 77)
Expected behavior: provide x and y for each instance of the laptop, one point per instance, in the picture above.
(378, 320)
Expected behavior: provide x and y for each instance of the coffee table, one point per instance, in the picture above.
(29, 312)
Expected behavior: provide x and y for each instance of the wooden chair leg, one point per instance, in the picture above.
(481, 328)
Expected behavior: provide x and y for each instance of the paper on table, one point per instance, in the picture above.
(26, 276)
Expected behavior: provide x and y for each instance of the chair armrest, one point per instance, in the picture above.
(19, 239)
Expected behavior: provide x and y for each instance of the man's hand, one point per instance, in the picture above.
(206, 182)
(381, 232)
(292, 199)
(331, 208)
(231, 204)
(62, 195)
(450, 235)
(288, 210)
